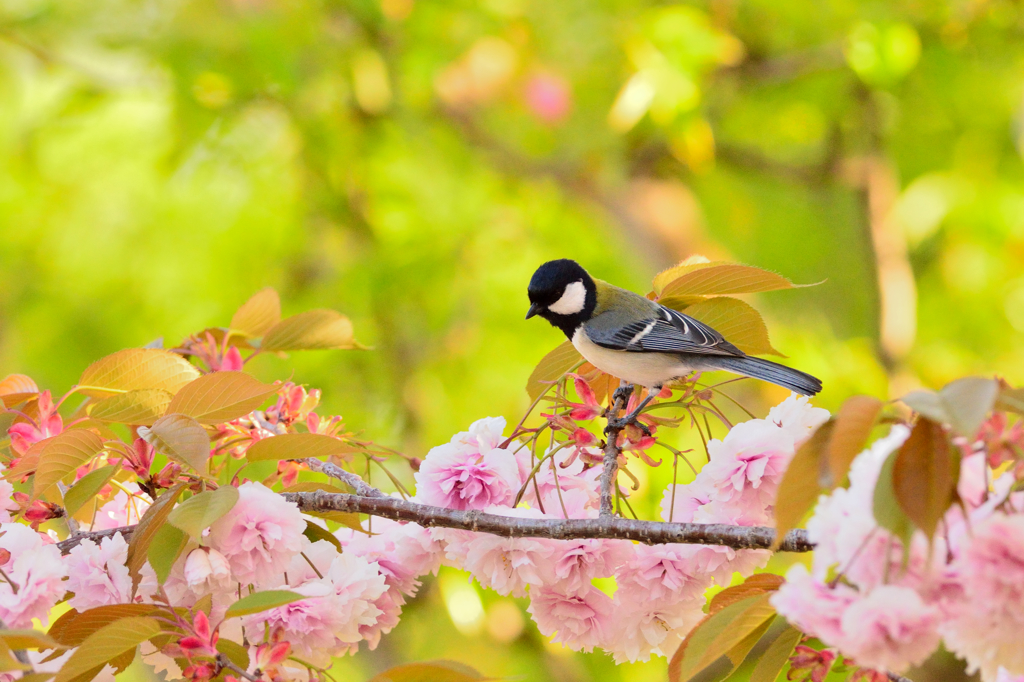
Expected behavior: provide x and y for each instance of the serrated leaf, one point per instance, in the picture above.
(314, 532)
(963, 404)
(136, 368)
(73, 627)
(121, 662)
(663, 278)
(802, 482)
(739, 653)
(551, 368)
(261, 601)
(181, 438)
(718, 634)
(297, 446)
(259, 314)
(853, 424)
(220, 397)
(27, 639)
(139, 407)
(235, 652)
(886, 510)
(167, 545)
(199, 512)
(87, 488)
(17, 385)
(430, 671)
(107, 643)
(924, 475)
(151, 522)
(716, 279)
(63, 454)
(759, 583)
(738, 322)
(311, 330)
(774, 659)
(29, 462)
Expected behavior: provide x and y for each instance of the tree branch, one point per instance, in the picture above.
(334, 471)
(610, 471)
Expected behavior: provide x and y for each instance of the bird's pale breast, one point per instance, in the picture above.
(644, 369)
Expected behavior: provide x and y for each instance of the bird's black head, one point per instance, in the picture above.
(562, 293)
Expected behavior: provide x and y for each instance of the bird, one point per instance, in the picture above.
(639, 340)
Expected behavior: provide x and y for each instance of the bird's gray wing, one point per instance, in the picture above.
(667, 331)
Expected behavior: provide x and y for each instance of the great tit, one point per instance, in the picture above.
(638, 340)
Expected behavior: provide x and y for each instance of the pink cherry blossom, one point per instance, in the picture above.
(577, 620)
(403, 552)
(987, 631)
(48, 423)
(122, 510)
(207, 571)
(38, 571)
(662, 573)
(259, 536)
(577, 562)
(890, 629)
(97, 573)
(505, 565)
(548, 97)
(642, 627)
(470, 472)
(797, 417)
(812, 606)
(7, 505)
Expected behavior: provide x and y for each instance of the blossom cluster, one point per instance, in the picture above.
(887, 604)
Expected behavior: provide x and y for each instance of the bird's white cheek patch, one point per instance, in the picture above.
(572, 300)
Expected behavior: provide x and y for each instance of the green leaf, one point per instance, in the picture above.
(181, 438)
(853, 425)
(73, 627)
(261, 601)
(885, 508)
(774, 659)
(8, 663)
(106, 644)
(924, 475)
(258, 314)
(235, 652)
(739, 653)
(297, 446)
(136, 368)
(28, 639)
(551, 368)
(315, 532)
(430, 671)
(87, 488)
(139, 407)
(219, 397)
(718, 634)
(802, 482)
(63, 454)
(167, 545)
(715, 279)
(963, 404)
(737, 321)
(147, 528)
(198, 513)
(311, 330)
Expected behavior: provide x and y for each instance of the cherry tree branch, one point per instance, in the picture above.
(334, 471)
(610, 470)
(610, 527)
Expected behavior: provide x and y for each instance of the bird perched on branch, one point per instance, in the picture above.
(639, 340)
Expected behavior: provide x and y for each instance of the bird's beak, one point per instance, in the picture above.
(534, 309)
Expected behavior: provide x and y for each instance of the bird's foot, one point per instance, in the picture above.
(619, 423)
(622, 393)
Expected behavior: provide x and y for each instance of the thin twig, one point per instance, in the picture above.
(334, 471)
(609, 473)
(224, 662)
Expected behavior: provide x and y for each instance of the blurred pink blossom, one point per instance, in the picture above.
(36, 568)
(548, 97)
(890, 629)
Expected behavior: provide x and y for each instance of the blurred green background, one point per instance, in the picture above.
(411, 162)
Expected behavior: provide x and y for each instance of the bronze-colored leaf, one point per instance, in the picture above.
(181, 438)
(802, 482)
(924, 475)
(106, 644)
(219, 397)
(759, 583)
(140, 407)
(298, 446)
(16, 388)
(136, 368)
(716, 279)
(27, 465)
(73, 627)
(146, 530)
(737, 321)
(551, 368)
(775, 657)
(311, 330)
(27, 639)
(663, 278)
(1011, 400)
(62, 455)
(258, 314)
(853, 426)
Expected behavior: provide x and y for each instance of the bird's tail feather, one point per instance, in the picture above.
(787, 377)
